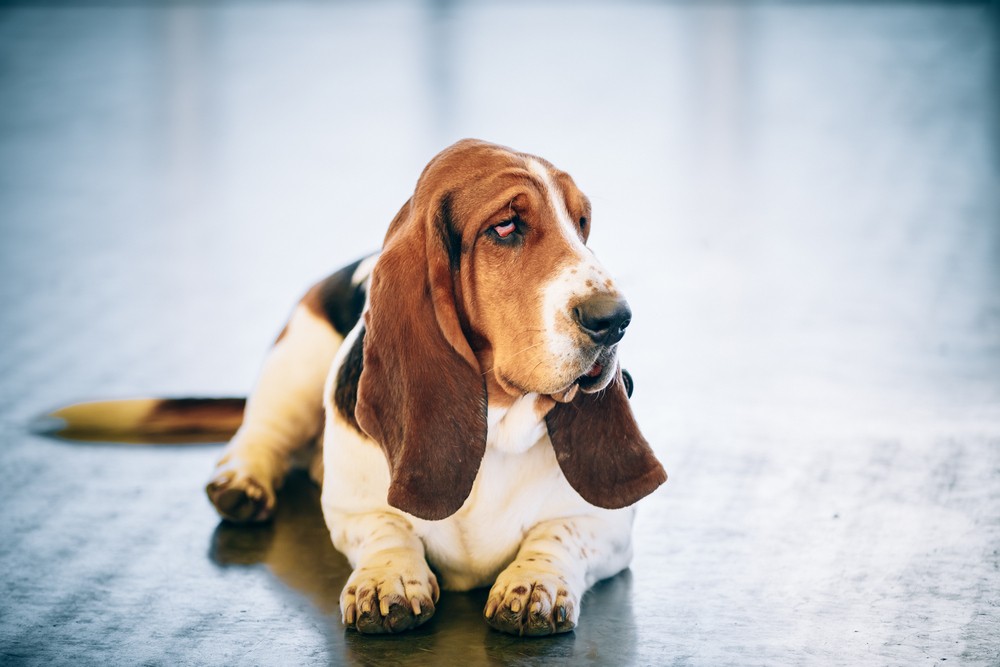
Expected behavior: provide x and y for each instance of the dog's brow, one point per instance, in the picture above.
(557, 201)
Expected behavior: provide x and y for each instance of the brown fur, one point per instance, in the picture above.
(454, 317)
(421, 395)
(198, 415)
(600, 449)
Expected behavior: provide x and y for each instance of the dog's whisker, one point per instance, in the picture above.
(519, 352)
(527, 331)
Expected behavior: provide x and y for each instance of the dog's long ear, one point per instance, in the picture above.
(421, 395)
(600, 449)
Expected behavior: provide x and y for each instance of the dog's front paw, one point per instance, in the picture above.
(524, 601)
(240, 498)
(396, 593)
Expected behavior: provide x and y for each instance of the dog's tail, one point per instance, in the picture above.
(145, 420)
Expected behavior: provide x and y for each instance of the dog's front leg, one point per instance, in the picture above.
(539, 593)
(392, 588)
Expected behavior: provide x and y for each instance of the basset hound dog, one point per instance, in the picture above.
(462, 401)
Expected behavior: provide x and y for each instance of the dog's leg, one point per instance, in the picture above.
(539, 593)
(283, 414)
(391, 588)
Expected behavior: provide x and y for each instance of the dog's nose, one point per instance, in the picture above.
(603, 318)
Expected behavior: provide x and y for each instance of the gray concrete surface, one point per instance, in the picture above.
(801, 202)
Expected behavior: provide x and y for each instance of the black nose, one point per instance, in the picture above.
(603, 318)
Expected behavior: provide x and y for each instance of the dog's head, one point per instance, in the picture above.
(485, 280)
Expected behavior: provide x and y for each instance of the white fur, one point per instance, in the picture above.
(284, 409)
(514, 429)
(364, 269)
(292, 372)
(558, 203)
(518, 490)
(556, 297)
(574, 282)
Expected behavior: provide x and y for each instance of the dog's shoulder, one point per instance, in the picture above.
(340, 297)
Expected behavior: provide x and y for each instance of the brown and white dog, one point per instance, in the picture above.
(465, 390)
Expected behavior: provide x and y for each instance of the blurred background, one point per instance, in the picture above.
(800, 200)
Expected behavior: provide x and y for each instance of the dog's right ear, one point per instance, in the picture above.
(421, 395)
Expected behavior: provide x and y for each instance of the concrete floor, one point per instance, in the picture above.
(802, 203)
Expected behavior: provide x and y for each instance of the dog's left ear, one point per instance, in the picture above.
(600, 449)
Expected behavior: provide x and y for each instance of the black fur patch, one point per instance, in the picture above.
(450, 236)
(339, 300)
(181, 406)
(345, 395)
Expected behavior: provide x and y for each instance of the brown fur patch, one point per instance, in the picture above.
(421, 395)
(196, 415)
(601, 428)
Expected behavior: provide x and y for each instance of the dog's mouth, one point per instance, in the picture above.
(593, 376)
(595, 379)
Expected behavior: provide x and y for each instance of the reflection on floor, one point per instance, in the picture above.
(296, 549)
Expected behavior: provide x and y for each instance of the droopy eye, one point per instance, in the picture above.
(505, 229)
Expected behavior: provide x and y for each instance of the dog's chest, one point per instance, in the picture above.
(519, 484)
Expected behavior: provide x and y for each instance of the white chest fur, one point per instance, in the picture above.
(515, 429)
(519, 484)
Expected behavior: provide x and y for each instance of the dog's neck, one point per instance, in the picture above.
(515, 422)
(518, 426)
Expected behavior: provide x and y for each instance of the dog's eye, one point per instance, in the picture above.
(505, 229)
(583, 222)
